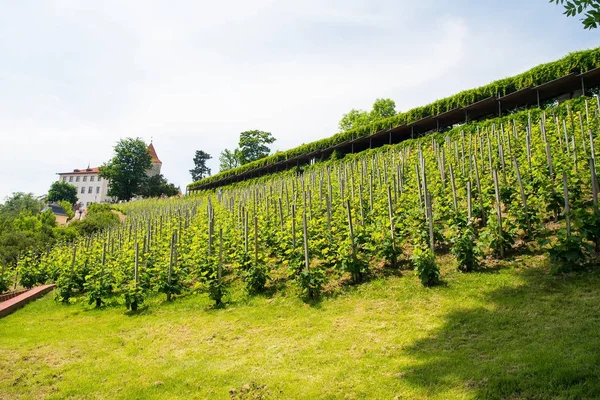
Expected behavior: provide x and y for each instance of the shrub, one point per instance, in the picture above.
(134, 296)
(311, 282)
(4, 281)
(390, 251)
(65, 286)
(256, 277)
(217, 289)
(569, 253)
(465, 249)
(424, 264)
(99, 285)
(173, 286)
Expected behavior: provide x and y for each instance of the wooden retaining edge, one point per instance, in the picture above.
(9, 306)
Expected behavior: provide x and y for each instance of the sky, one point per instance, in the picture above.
(77, 76)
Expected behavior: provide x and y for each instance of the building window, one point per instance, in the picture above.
(99, 179)
(90, 189)
(85, 178)
(70, 179)
(91, 179)
(82, 189)
(64, 178)
(76, 179)
(97, 189)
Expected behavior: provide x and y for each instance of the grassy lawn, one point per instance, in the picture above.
(513, 331)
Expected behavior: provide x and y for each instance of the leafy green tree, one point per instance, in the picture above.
(354, 119)
(127, 169)
(156, 186)
(62, 191)
(383, 108)
(589, 8)
(253, 145)
(229, 159)
(19, 202)
(200, 169)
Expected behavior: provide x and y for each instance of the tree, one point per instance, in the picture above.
(229, 159)
(253, 145)
(62, 191)
(383, 108)
(19, 202)
(354, 119)
(200, 169)
(589, 8)
(156, 186)
(127, 171)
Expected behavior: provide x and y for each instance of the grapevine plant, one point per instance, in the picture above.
(478, 188)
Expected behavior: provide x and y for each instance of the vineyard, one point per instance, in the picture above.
(484, 191)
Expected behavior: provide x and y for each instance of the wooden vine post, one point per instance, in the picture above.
(454, 201)
(220, 265)
(498, 212)
(305, 234)
(294, 225)
(135, 265)
(171, 263)
(73, 259)
(351, 228)
(469, 203)
(479, 193)
(428, 206)
(246, 233)
(255, 240)
(391, 214)
(522, 191)
(567, 209)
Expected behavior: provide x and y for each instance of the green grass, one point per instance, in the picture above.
(514, 331)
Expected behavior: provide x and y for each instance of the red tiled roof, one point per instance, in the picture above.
(81, 171)
(152, 151)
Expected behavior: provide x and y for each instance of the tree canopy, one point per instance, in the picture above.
(62, 191)
(20, 202)
(200, 169)
(382, 108)
(589, 8)
(253, 145)
(229, 159)
(23, 227)
(127, 170)
(156, 186)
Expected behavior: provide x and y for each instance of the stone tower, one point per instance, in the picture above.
(156, 163)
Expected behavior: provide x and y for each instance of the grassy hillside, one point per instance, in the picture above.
(512, 330)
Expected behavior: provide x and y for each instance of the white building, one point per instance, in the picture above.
(91, 188)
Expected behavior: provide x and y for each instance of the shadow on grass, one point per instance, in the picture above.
(274, 287)
(538, 340)
(314, 302)
(143, 310)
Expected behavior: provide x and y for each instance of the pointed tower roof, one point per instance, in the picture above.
(153, 154)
